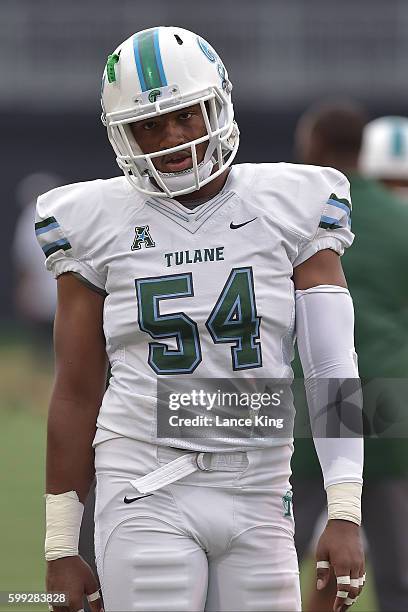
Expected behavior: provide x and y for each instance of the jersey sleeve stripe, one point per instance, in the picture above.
(58, 245)
(47, 228)
(344, 201)
(336, 213)
(331, 224)
(45, 223)
(45, 239)
(333, 212)
(343, 217)
(339, 204)
(330, 220)
(50, 236)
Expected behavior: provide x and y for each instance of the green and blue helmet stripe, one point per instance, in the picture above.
(159, 58)
(398, 143)
(148, 60)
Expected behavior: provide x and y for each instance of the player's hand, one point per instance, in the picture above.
(340, 546)
(73, 576)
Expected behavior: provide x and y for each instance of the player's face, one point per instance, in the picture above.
(398, 186)
(307, 148)
(170, 130)
(395, 183)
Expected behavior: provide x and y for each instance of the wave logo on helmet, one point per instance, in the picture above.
(212, 56)
(221, 71)
(207, 49)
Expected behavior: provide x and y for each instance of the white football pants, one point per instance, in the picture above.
(215, 540)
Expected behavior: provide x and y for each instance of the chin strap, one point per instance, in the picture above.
(176, 181)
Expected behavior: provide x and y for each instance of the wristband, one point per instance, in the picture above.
(344, 501)
(63, 522)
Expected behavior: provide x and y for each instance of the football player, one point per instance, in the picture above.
(331, 133)
(191, 268)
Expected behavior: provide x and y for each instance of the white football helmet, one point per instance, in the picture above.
(158, 71)
(384, 151)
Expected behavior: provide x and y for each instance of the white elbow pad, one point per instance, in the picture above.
(325, 332)
(325, 336)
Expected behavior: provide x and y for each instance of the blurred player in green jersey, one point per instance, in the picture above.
(331, 135)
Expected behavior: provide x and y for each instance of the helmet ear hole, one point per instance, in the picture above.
(177, 37)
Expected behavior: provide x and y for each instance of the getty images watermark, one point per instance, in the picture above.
(265, 408)
(223, 408)
(212, 402)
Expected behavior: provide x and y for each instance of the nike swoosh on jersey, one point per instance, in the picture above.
(236, 226)
(130, 500)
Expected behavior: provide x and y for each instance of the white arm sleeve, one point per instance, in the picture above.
(325, 336)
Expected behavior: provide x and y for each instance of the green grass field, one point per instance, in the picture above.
(25, 384)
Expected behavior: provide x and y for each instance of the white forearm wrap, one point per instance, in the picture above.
(63, 522)
(325, 336)
(344, 501)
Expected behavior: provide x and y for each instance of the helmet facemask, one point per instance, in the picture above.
(221, 134)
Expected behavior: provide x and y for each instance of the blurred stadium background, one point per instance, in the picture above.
(281, 56)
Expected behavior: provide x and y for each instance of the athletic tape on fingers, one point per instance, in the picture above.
(93, 596)
(343, 579)
(322, 565)
(361, 580)
(342, 594)
(350, 600)
(355, 582)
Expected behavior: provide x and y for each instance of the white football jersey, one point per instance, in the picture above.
(199, 294)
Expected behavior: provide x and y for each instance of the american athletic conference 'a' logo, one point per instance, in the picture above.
(142, 236)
